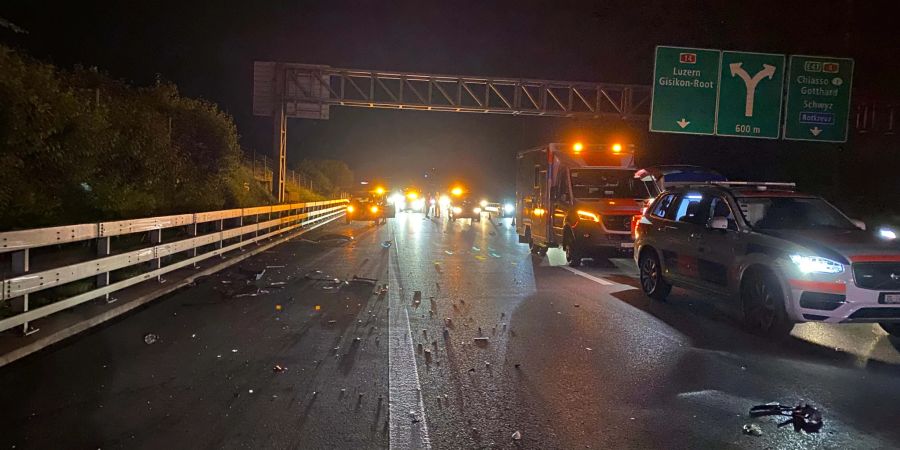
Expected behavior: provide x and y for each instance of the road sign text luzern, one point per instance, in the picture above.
(818, 98)
(685, 89)
(750, 95)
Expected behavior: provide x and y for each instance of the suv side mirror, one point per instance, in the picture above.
(718, 223)
(859, 224)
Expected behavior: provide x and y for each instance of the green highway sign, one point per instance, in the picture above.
(750, 88)
(685, 89)
(818, 98)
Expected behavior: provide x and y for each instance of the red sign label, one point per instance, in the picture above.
(687, 58)
(831, 67)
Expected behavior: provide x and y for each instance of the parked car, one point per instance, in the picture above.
(783, 256)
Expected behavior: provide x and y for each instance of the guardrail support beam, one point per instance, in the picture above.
(21, 264)
(156, 239)
(103, 249)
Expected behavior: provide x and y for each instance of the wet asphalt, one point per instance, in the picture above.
(559, 359)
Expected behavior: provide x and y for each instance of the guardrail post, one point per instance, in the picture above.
(103, 249)
(241, 236)
(156, 239)
(192, 231)
(219, 226)
(21, 264)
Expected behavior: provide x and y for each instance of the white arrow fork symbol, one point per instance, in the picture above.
(737, 70)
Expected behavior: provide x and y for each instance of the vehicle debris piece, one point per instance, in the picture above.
(150, 338)
(517, 436)
(278, 283)
(278, 368)
(752, 429)
(275, 267)
(481, 340)
(804, 417)
(386, 244)
(357, 279)
(260, 275)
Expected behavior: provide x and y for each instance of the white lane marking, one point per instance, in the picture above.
(408, 428)
(588, 276)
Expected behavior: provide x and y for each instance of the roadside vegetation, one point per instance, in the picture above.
(79, 146)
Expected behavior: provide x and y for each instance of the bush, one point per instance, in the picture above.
(79, 146)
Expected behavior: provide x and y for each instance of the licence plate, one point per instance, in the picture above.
(631, 245)
(891, 299)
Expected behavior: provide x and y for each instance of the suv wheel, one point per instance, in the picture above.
(573, 252)
(652, 282)
(892, 328)
(763, 305)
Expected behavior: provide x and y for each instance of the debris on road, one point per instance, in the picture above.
(255, 293)
(365, 280)
(482, 340)
(278, 368)
(260, 275)
(752, 429)
(589, 349)
(517, 436)
(804, 417)
(150, 338)
(278, 283)
(318, 307)
(386, 244)
(275, 267)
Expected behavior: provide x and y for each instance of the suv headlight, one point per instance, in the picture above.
(816, 264)
(587, 215)
(476, 210)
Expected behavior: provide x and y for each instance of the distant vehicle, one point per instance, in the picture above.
(412, 200)
(369, 206)
(501, 210)
(464, 207)
(781, 255)
(660, 178)
(581, 197)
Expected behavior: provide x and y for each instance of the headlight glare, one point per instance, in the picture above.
(816, 264)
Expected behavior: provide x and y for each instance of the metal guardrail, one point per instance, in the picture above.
(268, 222)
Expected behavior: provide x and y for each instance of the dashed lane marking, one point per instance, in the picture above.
(588, 276)
(408, 427)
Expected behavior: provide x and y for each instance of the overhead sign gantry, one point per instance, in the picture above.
(282, 90)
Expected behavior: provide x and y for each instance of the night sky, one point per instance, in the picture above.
(208, 49)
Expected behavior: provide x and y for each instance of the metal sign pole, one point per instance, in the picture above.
(279, 138)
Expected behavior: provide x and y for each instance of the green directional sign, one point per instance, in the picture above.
(818, 98)
(750, 88)
(685, 86)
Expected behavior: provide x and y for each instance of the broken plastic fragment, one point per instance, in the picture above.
(517, 435)
(386, 244)
(150, 338)
(752, 429)
(278, 368)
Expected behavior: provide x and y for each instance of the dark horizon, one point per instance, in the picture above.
(209, 53)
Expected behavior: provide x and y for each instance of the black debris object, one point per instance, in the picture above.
(804, 417)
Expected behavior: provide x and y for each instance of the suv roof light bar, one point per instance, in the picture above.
(761, 185)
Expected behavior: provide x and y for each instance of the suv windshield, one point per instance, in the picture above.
(607, 183)
(791, 213)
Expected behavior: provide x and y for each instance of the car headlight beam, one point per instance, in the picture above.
(816, 264)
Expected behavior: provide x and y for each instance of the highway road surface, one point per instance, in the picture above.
(426, 334)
